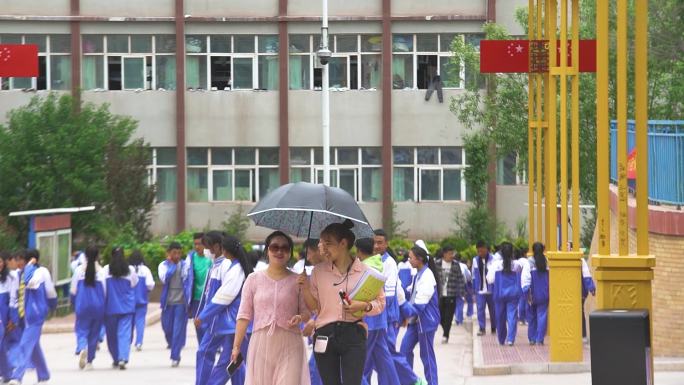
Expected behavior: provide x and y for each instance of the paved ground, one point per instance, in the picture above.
(152, 365)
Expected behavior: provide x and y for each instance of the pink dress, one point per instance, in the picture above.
(276, 353)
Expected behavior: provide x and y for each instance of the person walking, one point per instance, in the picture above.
(588, 286)
(199, 262)
(8, 282)
(535, 287)
(452, 287)
(468, 291)
(276, 353)
(120, 285)
(142, 293)
(483, 295)
(506, 292)
(175, 300)
(36, 296)
(340, 337)
(221, 302)
(88, 290)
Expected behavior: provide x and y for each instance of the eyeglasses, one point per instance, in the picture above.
(276, 248)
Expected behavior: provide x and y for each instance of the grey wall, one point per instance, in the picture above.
(511, 204)
(429, 220)
(131, 8)
(10, 100)
(215, 8)
(35, 7)
(505, 15)
(424, 123)
(439, 7)
(335, 8)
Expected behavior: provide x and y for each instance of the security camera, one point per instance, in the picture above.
(324, 55)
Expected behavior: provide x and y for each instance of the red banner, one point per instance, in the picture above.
(508, 56)
(631, 164)
(18, 60)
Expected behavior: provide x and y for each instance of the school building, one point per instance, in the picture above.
(228, 95)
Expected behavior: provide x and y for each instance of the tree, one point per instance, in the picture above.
(52, 155)
(237, 223)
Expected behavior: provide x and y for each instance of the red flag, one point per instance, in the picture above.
(508, 56)
(18, 60)
(631, 164)
(504, 56)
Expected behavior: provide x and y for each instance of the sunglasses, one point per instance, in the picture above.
(276, 248)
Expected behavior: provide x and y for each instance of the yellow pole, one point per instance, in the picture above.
(641, 106)
(622, 61)
(538, 97)
(530, 133)
(602, 128)
(575, 128)
(564, 125)
(552, 243)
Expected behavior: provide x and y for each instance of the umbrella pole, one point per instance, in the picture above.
(306, 252)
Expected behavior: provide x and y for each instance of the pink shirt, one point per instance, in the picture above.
(324, 278)
(276, 302)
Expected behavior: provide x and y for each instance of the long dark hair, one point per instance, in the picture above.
(232, 246)
(91, 253)
(117, 263)
(421, 254)
(212, 238)
(539, 257)
(341, 231)
(506, 251)
(5, 256)
(136, 259)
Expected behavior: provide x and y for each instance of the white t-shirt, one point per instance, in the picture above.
(446, 266)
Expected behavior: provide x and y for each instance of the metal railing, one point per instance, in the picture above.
(665, 155)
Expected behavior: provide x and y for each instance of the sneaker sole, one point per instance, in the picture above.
(82, 358)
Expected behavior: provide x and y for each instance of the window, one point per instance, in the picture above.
(428, 174)
(162, 173)
(228, 174)
(507, 170)
(418, 59)
(54, 62)
(355, 170)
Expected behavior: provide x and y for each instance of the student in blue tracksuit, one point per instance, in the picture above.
(391, 271)
(36, 296)
(504, 277)
(88, 293)
(535, 287)
(482, 263)
(218, 310)
(199, 261)
(142, 292)
(588, 286)
(378, 356)
(523, 306)
(425, 299)
(8, 280)
(461, 301)
(175, 299)
(119, 307)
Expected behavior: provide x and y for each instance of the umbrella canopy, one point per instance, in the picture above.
(305, 209)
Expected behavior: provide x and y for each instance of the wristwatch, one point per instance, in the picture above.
(369, 307)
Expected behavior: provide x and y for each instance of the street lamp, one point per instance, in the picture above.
(324, 55)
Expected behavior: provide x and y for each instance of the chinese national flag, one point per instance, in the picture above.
(18, 60)
(508, 56)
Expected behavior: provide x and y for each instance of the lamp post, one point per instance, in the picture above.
(324, 54)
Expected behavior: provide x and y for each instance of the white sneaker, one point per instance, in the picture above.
(88, 367)
(122, 365)
(82, 359)
(174, 363)
(138, 348)
(14, 382)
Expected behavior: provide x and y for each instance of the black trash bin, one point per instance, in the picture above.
(620, 347)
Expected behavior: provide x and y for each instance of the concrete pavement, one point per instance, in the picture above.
(153, 365)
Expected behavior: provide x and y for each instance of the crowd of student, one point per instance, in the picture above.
(256, 309)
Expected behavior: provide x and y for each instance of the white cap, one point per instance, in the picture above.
(420, 243)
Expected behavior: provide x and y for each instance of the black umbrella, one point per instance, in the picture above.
(305, 209)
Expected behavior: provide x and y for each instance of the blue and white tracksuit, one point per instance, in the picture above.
(7, 296)
(406, 274)
(460, 301)
(535, 287)
(218, 311)
(588, 286)
(39, 297)
(506, 294)
(142, 292)
(378, 355)
(119, 311)
(483, 293)
(174, 319)
(421, 329)
(89, 306)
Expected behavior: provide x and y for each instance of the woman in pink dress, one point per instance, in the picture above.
(270, 298)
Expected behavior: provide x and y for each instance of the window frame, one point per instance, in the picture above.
(442, 167)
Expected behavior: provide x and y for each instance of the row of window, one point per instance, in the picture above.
(248, 174)
(227, 62)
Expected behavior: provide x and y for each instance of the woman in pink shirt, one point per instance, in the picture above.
(340, 337)
(276, 354)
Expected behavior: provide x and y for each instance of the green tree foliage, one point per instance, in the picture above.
(237, 224)
(54, 156)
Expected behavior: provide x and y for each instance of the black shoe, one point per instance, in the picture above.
(494, 331)
(481, 332)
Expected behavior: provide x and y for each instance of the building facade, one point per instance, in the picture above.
(227, 93)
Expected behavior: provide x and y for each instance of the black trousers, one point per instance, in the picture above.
(447, 307)
(345, 357)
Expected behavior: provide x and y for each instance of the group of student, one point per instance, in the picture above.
(27, 295)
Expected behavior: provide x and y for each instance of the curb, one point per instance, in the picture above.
(153, 316)
(480, 369)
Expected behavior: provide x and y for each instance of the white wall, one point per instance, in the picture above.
(130, 8)
(218, 8)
